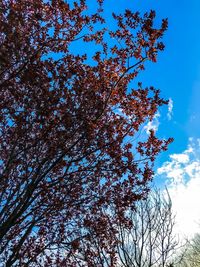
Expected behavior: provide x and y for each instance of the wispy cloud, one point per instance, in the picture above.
(182, 173)
(154, 124)
(170, 109)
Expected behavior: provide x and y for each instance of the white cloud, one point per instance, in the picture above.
(154, 124)
(182, 173)
(170, 109)
(180, 158)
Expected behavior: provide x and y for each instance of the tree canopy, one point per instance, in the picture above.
(68, 128)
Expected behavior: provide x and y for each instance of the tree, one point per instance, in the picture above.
(66, 123)
(190, 254)
(150, 240)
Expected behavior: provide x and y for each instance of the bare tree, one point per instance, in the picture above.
(190, 255)
(150, 240)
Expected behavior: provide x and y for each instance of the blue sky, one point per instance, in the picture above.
(177, 72)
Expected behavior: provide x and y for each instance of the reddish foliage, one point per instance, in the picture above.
(65, 130)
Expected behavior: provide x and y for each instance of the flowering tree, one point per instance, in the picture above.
(66, 123)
